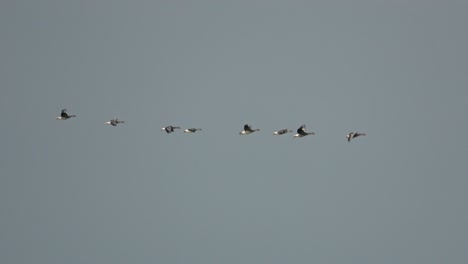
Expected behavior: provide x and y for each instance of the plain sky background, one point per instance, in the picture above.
(78, 191)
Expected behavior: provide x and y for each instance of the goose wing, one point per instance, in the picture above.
(64, 113)
(301, 130)
(282, 131)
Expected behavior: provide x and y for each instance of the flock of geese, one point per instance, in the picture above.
(301, 131)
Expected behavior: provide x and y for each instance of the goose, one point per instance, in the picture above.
(64, 115)
(169, 129)
(282, 131)
(248, 130)
(192, 130)
(353, 135)
(114, 122)
(302, 133)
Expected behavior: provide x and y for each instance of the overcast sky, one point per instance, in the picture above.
(79, 191)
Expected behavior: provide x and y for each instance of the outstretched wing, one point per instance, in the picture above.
(247, 127)
(64, 113)
(301, 130)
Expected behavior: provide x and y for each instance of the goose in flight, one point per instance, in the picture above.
(114, 122)
(248, 130)
(302, 133)
(282, 131)
(192, 130)
(353, 135)
(64, 115)
(169, 129)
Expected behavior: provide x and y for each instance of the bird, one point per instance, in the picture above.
(114, 122)
(64, 115)
(169, 129)
(282, 131)
(248, 130)
(302, 133)
(192, 130)
(353, 135)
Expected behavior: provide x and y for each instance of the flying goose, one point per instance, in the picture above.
(353, 135)
(114, 122)
(64, 115)
(248, 130)
(192, 130)
(302, 133)
(282, 131)
(169, 129)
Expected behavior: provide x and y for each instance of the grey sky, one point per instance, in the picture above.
(78, 191)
